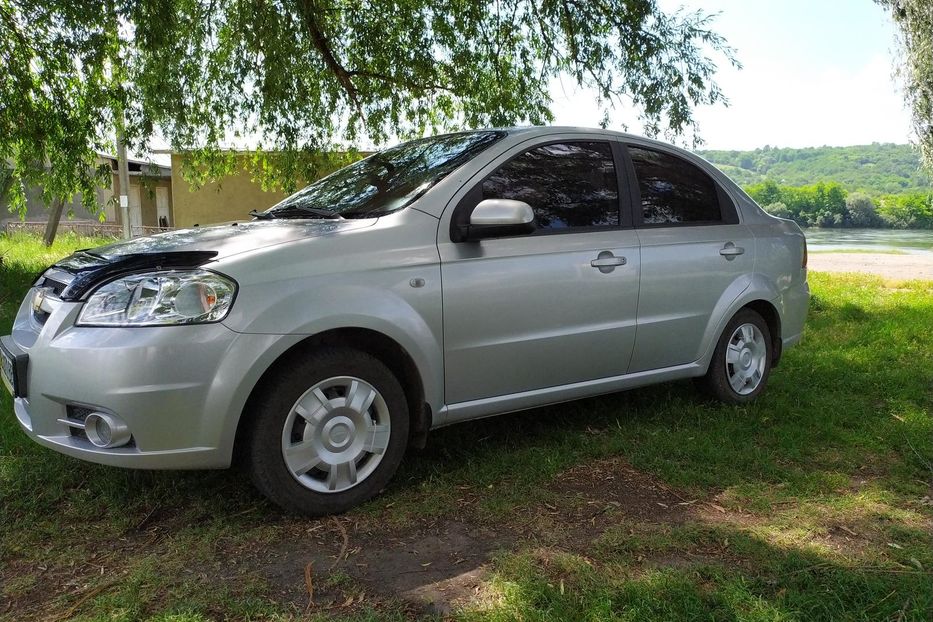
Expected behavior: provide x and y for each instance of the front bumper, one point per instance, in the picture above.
(180, 389)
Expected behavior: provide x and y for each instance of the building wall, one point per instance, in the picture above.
(37, 211)
(231, 198)
(147, 201)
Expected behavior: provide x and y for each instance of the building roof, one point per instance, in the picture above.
(138, 167)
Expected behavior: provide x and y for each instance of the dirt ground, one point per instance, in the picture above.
(434, 566)
(896, 267)
(338, 565)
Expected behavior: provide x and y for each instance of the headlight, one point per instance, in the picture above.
(160, 298)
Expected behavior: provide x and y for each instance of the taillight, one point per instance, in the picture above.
(804, 262)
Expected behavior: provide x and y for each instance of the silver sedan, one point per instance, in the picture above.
(441, 280)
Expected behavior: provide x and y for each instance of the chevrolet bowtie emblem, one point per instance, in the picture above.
(37, 301)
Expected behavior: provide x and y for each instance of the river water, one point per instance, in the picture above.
(908, 241)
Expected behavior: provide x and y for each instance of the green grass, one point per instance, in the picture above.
(841, 442)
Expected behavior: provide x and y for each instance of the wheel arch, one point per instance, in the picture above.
(763, 307)
(772, 318)
(756, 292)
(377, 344)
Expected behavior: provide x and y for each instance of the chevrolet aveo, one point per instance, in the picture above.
(442, 280)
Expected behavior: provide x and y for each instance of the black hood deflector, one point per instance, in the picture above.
(91, 270)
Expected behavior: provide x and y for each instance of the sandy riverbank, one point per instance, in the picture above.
(899, 267)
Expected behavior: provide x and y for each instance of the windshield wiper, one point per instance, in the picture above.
(304, 209)
(261, 215)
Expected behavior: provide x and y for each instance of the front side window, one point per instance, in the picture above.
(673, 191)
(571, 184)
(386, 181)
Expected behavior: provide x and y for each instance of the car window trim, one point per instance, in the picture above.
(728, 214)
(473, 196)
(626, 182)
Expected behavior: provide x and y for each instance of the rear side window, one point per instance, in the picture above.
(568, 185)
(673, 191)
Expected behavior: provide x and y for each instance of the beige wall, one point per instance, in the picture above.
(230, 199)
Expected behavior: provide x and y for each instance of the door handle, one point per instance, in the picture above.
(607, 262)
(730, 251)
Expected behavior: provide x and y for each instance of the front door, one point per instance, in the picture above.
(533, 311)
(162, 217)
(136, 210)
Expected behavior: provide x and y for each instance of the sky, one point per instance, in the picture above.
(815, 73)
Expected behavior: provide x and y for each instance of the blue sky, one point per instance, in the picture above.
(815, 72)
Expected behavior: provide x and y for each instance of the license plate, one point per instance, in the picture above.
(12, 369)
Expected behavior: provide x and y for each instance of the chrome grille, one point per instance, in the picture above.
(55, 281)
(50, 285)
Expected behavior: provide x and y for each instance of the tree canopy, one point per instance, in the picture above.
(914, 20)
(56, 98)
(297, 77)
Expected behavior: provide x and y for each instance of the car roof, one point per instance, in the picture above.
(543, 130)
(533, 131)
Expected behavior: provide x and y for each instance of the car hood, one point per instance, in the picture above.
(185, 248)
(229, 238)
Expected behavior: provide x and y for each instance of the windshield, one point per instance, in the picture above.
(386, 181)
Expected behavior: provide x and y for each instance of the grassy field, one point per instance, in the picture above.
(815, 503)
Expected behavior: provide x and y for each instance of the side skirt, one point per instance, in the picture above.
(500, 405)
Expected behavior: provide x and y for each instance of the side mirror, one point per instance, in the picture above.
(495, 218)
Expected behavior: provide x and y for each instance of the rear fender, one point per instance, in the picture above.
(743, 291)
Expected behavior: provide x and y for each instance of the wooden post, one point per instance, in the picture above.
(124, 171)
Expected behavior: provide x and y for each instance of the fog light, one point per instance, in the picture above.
(106, 431)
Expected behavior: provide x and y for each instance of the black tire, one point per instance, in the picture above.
(267, 466)
(716, 381)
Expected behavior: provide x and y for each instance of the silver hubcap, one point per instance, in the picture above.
(746, 357)
(336, 434)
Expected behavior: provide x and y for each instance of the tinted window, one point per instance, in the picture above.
(673, 190)
(567, 184)
(389, 180)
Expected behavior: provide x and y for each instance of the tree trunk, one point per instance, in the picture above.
(55, 216)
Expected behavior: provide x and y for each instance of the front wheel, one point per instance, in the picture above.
(328, 433)
(741, 363)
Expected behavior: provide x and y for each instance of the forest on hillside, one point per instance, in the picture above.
(878, 185)
(876, 169)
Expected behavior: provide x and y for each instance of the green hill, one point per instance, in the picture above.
(875, 169)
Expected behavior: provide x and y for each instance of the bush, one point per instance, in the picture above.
(862, 211)
(912, 211)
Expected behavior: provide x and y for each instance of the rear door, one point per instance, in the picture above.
(532, 311)
(694, 253)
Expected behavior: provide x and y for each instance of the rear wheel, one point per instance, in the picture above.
(328, 433)
(741, 363)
